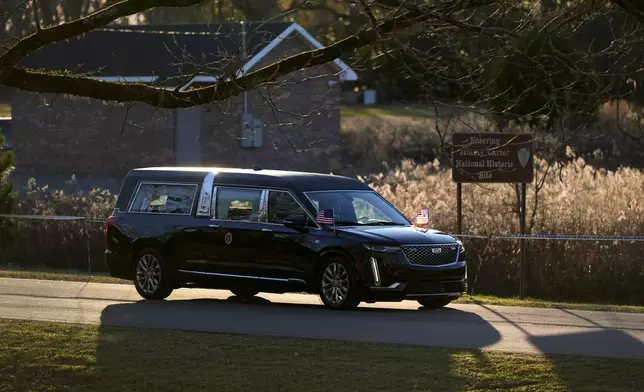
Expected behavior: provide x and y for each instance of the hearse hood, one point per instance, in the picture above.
(397, 235)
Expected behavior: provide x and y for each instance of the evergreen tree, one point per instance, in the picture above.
(8, 199)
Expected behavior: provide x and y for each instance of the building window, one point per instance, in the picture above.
(239, 204)
(164, 199)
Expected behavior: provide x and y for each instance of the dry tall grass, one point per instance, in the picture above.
(573, 198)
(375, 143)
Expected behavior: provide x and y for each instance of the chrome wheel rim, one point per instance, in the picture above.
(335, 283)
(148, 273)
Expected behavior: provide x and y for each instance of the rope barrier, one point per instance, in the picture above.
(564, 237)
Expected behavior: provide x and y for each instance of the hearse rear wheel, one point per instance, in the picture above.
(338, 285)
(434, 303)
(152, 276)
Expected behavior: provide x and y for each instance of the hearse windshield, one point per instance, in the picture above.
(358, 208)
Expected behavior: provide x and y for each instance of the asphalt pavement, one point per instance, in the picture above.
(516, 329)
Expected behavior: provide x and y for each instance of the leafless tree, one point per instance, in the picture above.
(520, 62)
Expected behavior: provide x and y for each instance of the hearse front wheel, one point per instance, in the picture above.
(152, 277)
(338, 285)
(434, 303)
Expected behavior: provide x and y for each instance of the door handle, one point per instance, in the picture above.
(191, 230)
(268, 230)
(214, 226)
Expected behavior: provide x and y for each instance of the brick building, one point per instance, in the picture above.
(293, 124)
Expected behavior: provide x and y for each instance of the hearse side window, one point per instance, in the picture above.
(164, 199)
(238, 204)
(282, 206)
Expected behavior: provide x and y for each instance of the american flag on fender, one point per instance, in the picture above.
(422, 217)
(324, 217)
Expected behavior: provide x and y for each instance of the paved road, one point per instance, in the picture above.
(549, 331)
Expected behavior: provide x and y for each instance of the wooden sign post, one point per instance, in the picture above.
(494, 158)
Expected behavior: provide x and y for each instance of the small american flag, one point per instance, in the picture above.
(324, 217)
(422, 217)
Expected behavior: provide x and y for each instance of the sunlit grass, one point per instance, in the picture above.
(37, 356)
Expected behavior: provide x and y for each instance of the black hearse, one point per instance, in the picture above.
(251, 231)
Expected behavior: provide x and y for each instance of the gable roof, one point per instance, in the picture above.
(170, 54)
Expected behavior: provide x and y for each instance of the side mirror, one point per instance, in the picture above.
(296, 224)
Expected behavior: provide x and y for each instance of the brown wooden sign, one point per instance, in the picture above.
(492, 157)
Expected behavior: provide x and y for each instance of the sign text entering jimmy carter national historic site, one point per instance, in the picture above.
(492, 157)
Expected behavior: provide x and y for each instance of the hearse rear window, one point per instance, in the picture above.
(164, 199)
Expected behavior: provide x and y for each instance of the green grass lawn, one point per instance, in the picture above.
(38, 356)
(476, 299)
(60, 275)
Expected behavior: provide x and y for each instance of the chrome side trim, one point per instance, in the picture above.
(205, 198)
(263, 207)
(390, 287)
(286, 280)
(375, 271)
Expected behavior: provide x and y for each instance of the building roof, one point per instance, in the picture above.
(163, 53)
(282, 179)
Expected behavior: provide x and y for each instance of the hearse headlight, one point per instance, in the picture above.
(382, 248)
(461, 248)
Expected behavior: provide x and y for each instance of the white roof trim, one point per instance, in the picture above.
(199, 79)
(346, 72)
(126, 79)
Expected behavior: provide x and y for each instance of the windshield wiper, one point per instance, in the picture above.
(345, 223)
(376, 223)
(382, 223)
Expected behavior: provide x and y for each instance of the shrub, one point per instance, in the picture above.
(60, 244)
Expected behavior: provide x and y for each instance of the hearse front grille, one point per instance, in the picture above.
(431, 255)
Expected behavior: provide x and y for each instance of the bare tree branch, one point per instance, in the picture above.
(47, 82)
(79, 26)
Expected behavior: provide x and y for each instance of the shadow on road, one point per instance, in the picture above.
(251, 363)
(614, 346)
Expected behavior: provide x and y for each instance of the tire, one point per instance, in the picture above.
(244, 293)
(151, 260)
(434, 303)
(338, 284)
